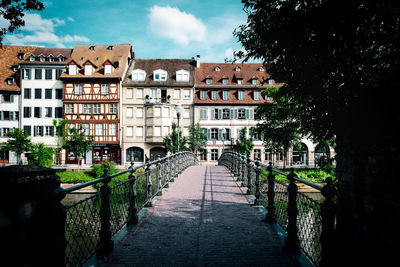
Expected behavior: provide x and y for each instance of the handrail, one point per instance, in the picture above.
(291, 209)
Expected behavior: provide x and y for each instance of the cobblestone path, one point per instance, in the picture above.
(202, 220)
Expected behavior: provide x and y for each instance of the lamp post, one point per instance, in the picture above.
(178, 110)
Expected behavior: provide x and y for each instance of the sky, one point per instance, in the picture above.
(156, 29)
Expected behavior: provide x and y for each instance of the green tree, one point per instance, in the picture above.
(41, 155)
(13, 12)
(19, 143)
(59, 126)
(197, 139)
(171, 141)
(244, 145)
(77, 141)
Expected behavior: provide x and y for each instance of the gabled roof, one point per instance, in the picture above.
(46, 53)
(8, 58)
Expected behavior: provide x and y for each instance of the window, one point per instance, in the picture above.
(214, 95)
(149, 131)
(58, 112)
(203, 95)
(139, 112)
(153, 93)
(139, 93)
(60, 58)
(186, 94)
(78, 89)
(88, 69)
(165, 112)
(260, 69)
(129, 92)
(51, 59)
(157, 112)
(254, 81)
(129, 131)
(129, 112)
(256, 95)
(217, 69)
(10, 80)
(241, 95)
(48, 112)
(203, 155)
(160, 75)
(257, 154)
(224, 81)
(8, 98)
(42, 58)
(38, 130)
(113, 108)
(186, 113)
(59, 93)
(271, 82)
(85, 128)
(214, 154)
(96, 108)
(48, 130)
(237, 69)
(107, 69)
(99, 129)
(28, 129)
(177, 94)
(38, 93)
(48, 93)
(241, 113)
(14, 68)
(225, 95)
(87, 108)
(72, 69)
(268, 154)
(182, 76)
(27, 93)
(112, 129)
(27, 74)
(58, 73)
(157, 131)
(138, 75)
(226, 114)
(21, 55)
(208, 81)
(38, 74)
(139, 131)
(69, 108)
(31, 58)
(227, 135)
(38, 112)
(48, 74)
(104, 89)
(203, 114)
(214, 134)
(239, 81)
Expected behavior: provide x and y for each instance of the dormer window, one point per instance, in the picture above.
(110, 47)
(182, 76)
(31, 58)
(61, 58)
(237, 69)
(107, 69)
(88, 69)
(224, 81)
(21, 55)
(91, 47)
(51, 59)
(254, 81)
(271, 82)
(239, 81)
(10, 80)
(217, 69)
(208, 81)
(14, 68)
(81, 58)
(42, 58)
(160, 75)
(72, 69)
(138, 75)
(260, 69)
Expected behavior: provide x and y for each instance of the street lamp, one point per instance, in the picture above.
(178, 110)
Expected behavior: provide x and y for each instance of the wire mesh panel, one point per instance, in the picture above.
(119, 203)
(81, 230)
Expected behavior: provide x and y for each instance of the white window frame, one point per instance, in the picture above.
(112, 129)
(182, 76)
(78, 88)
(88, 69)
(160, 75)
(72, 69)
(138, 75)
(105, 88)
(99, 129)
(241, 95)
(107, 69)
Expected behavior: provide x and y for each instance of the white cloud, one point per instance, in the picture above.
(179, 27)
(39, 30)
(70, 19)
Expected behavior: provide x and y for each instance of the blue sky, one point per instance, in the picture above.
(156, 29)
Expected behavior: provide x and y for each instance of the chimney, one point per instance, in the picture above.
(198, 61)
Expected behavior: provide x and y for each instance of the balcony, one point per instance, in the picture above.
(157, 100)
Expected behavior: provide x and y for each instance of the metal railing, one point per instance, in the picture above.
(308, 222)
(92, 222)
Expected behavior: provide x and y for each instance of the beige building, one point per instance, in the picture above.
(150, 91)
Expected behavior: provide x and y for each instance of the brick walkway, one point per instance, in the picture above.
(202, 220)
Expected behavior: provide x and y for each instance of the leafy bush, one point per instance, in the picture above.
(98, 169)
(41, 155)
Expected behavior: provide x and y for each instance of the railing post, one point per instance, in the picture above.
(106, 243)
(292, 242)
(257, 200)
(148, 184)
(132, 209)
(328, 212)
(249, 181)
(158, 177)
(243, 163)
(270, 217)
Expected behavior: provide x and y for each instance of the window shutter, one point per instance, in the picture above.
(213, 114)
(34, 130)
(219, 134)
(208, 134)
(12, 98)
(1, 115)
(235, 114)
(11, 115)
(220, 114)
(251, 114)
(247, 113)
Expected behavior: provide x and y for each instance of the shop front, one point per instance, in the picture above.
(99, 153)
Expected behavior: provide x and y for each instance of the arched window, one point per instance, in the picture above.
(300, 154)
(134, 154)
(157, 151)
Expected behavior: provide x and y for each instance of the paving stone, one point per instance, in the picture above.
(202, 220)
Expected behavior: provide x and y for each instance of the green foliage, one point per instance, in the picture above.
(171, 141)
(197, 139)
(74, 177)
(243, 144)
(41, 155)
(19, 142)
(13, 12)
(98, 169)
(77, 142)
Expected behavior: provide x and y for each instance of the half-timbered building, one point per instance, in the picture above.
(92, 86)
